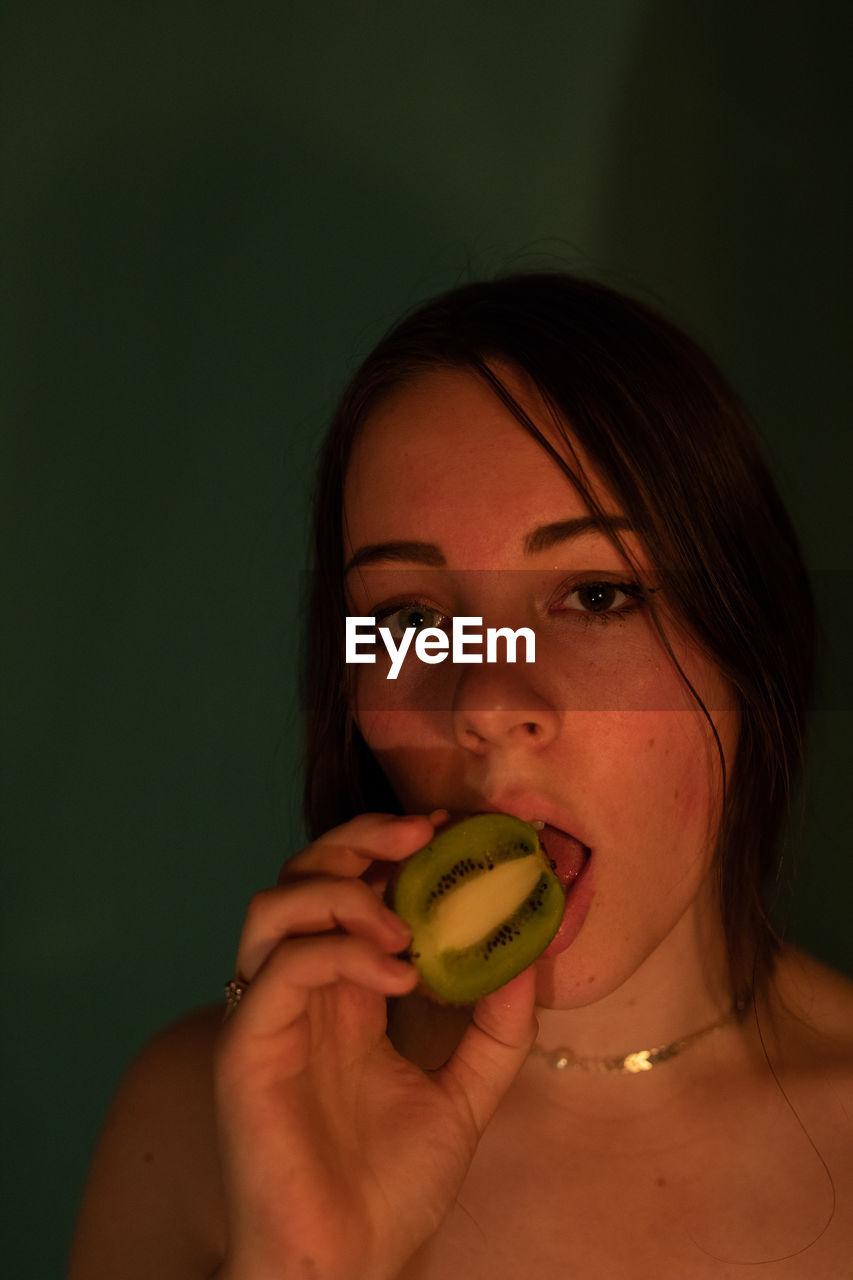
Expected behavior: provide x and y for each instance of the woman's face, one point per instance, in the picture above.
(452, 510)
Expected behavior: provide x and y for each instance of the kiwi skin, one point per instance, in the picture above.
(510, 910)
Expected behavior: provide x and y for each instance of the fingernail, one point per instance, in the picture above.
(398, 926)
(438, 816)
(400, 969)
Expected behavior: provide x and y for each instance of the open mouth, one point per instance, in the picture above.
(568, 856)
(570, 859)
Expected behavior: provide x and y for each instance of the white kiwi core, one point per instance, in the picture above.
(474, 910)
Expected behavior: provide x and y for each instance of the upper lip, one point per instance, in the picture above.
(528, 809)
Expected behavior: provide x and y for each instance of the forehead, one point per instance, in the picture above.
(443, 460)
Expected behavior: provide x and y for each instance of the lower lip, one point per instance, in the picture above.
(579, 892)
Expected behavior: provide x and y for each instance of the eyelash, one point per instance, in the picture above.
(388, 611)
(634, 591)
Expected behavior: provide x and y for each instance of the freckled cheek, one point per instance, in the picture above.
(394, 714)
(594, 670)
(578, 676)
(419, 691)
(421, 778)
(679, 775)
(385, 731)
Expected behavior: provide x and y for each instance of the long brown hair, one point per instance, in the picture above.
(671, 442)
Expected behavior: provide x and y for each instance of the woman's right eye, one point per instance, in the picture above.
(400, 618)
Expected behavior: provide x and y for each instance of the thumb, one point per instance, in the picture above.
(493, 1048)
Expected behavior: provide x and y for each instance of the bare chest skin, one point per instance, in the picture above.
(711, 1167)
(689, 1183)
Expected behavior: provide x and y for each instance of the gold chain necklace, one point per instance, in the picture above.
(641, 1059)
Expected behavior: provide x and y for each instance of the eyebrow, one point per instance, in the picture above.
(548, 535)
(411, 552)
(427, 553)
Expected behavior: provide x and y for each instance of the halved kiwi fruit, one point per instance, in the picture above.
(482, 903)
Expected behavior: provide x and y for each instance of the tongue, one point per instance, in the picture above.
(567, 853)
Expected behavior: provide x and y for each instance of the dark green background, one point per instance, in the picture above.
(210, 211)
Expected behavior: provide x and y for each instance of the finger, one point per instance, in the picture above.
(493, 1048)
(277, 999)
(318, 905)
(350, 849)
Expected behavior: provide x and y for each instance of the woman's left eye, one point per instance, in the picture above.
(602, 598)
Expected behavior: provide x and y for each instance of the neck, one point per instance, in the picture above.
(680, 987)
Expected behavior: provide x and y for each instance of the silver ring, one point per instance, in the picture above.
(234, 993)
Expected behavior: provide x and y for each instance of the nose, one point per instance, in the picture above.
(494, 708)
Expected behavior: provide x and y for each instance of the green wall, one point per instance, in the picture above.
(209, 213)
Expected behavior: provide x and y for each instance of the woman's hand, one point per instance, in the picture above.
(340, 1156)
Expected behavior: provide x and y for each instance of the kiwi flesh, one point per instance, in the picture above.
(482, 902)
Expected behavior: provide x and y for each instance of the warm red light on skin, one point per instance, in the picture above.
(620, 755)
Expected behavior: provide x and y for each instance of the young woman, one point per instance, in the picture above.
(668, 1091)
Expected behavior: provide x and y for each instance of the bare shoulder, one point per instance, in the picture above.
(815, 1004)
(818, 994)
(153, 1200)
